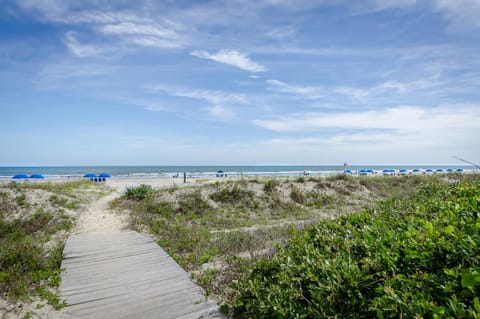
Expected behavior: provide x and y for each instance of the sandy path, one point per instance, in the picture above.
(98, 217)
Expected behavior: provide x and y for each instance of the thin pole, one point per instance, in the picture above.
(465, 161)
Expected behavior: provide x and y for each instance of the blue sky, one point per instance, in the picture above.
(245, 82)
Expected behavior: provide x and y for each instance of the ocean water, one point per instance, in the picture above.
(68, 172)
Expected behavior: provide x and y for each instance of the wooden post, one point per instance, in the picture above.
(184, 177)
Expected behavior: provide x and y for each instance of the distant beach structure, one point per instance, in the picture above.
(152, 172)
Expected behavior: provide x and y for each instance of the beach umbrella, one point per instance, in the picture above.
(105, 175)
(459, 170)
(449, 170)
(416, 170)
(36, 176)
(89, 175)
(388, 171)
(20, 176)
(365, 171)
(428, 170)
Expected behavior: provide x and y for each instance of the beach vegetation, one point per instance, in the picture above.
(192, 203)
(35, 219)
(270, 185)
(65, 202)
(26, 266)
(297, 195)
(231, 225)
(415, 256)
(138, 192)
(236, 195)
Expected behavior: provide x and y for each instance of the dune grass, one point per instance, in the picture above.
(218, 231)
(33, 227)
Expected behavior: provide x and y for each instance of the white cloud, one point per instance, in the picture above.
(101, 17)
(407, 134)
(281, 32)
(212, 96)
(404, 118)
(305, 91)
(49, 9)
(379, 5)
(461, 14)
(231, 57)
(445, 124)
(388, 88)
(78, 49)
(135, 28)
(148, 105)
(219, 112)
(145, 34)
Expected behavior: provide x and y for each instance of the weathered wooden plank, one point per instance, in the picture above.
(126, 275)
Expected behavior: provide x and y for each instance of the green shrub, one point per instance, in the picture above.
(317, 200)
(297, 195)
(63, 202)
(412, 258)
(24, 266)
(193, 203)
(270, 185)
(138, 193)
(235, 195)
(21, 200)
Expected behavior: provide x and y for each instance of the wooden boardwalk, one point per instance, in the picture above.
(126, 275)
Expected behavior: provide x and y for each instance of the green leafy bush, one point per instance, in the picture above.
(297, 195)
(193, 203)
(24, 266)
(235, 195)
(270, 185)
(412, 258)
(138, 193)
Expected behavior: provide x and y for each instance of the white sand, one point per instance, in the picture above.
(98, 217)
(120, 184)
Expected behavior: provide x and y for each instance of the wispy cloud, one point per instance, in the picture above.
(442, 123)
(461, 14)
(304, 91)
(213, 96)
(359, 94)
(407, 133)
(221, 113)
(145, 33)
(149, 105)
(231, 57)
(281, 32)
(79, 49)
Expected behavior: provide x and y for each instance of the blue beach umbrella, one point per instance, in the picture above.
(365, 171)
(449, 170)
(459, 170)
(105, 175)
(388, 171)
(428, 170)
(38, 176)
(416, 170)
(90, 175)
(18, 176)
